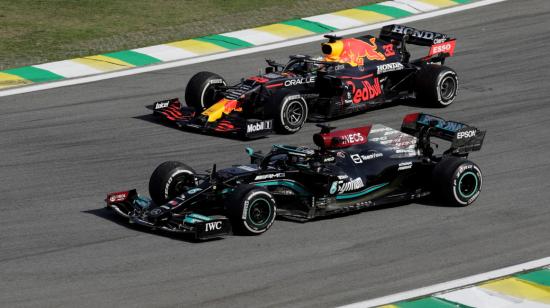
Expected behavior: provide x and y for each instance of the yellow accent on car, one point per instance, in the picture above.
(223, 106)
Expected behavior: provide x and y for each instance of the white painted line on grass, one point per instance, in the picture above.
(239, 52)
(454, 284)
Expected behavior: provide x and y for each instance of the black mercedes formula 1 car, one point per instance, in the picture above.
(350, 170)
(354, 75)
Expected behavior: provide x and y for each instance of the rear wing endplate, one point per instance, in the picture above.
(464, 138)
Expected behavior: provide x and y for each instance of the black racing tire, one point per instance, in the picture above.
(168, 181)
(457, 181)
(251, 210)
(436, 86)
(202, 90)
(289, 111)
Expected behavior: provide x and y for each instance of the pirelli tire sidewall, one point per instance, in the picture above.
(201, 93)
(289, 111)
(251, 209)
(167, 180)
(458, 181)
(436, 86)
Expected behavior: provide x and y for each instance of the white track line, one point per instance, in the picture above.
(454, 284)
(234, 53)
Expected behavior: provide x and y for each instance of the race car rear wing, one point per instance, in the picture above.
(464, 138)
(414, 36)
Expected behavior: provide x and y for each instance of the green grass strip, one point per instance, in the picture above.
(132, 57)
(385, 10)
(461, 1)
(309, 25)
(33, 74)
(541, 277)
(225, 41)
(430, 302)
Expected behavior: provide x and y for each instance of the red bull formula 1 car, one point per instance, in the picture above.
(350, 170)
(356, 74)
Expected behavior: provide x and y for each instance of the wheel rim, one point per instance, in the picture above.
(467, 184)
(448, 88)
(207, 96)
(259, 212)
(182, 181)
(295, 113)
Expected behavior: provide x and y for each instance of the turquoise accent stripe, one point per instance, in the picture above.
(361, 193)
(199, 216)
(385, 10)
(34, 74)
(309, 25)
(461, 1)
(225, 41)
(292, 185)
(132, 57)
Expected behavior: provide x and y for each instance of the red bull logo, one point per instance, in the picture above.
(352, 51)
(367, 92)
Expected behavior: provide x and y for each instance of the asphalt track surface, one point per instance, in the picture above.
(63, 149)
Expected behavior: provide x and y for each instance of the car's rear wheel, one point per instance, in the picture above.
(203, 90)
(457, 181)
(289, 111)
(251, 209)
(169, 180)
(436, 86)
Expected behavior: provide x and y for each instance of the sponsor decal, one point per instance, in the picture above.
(425, 35)
(372, 156)
(356, 158)
(405, 166)
(258, 79)
(216, 81)
(156, 211)
(212, 226)
(466, 134)
(194, 190)
(447, 125)
(445, 47)
(269, 176)
(247, 168)
(342, 177)
(341, 154)
(389, 67)
(245, 209)
(259, 126)
(161, 105)
(118, 197)
(339, 67)
(388, 50)
(351, 138)
(354, 184)
(329, 159)
(333, 188)
(367, 92)
(303, 80)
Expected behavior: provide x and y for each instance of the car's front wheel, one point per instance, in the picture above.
(169, 180)
(203, 90)
(289, 111)
(251, 209)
